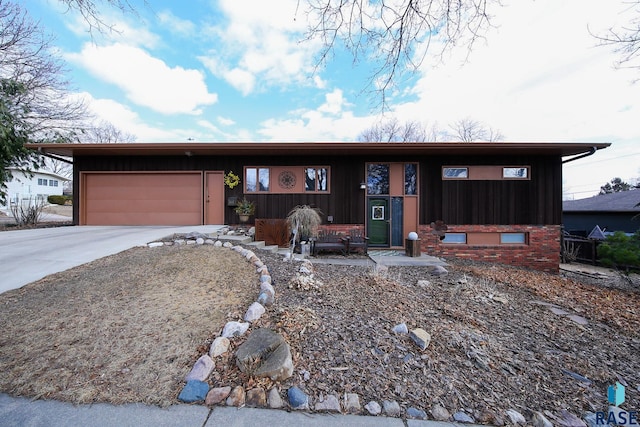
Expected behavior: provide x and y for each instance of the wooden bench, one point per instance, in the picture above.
(357, 240)
(329, 241)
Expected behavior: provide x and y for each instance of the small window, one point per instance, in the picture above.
(515, 173)
(315, 179)
(410, 179)
(455, 238)
(52, 183)
(55, 183)
(455, 173)
(513, 238)
(42, 181)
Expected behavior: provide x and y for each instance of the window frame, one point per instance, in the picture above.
(300, 173)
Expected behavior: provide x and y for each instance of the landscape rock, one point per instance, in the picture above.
(274, 400)
(219, 346)
(439, 271)
(234, 329)
(297, 398)
(256, 398)
(236, 397)
(463, 417)
(373, 408)
(267, 287)
(391, 408)
(265, 354)
(227, 244)
(217, 244)
(201, 369)
(420, 337)
(209, 242)
(155, 244)
(328, 403)
(194, 391)
(440, 413)
(266, 298)
(539, 420)
(515, 417)
(352, 403)
(200, 241)
(217, 395)
(254, 312)
(417, 414)
(401, 329)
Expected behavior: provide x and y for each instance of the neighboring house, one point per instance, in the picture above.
(611, 212)
(501, 201)
(38, 185)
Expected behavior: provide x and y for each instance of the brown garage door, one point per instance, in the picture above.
(141, 198)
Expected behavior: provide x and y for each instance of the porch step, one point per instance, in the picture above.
(259, 244)
(244, 240)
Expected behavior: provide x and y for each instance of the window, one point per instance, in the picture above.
(486, 173)
(377, 179)
(515, 173)
(315, 179)
(410, 179)
(485, 238)
(455, 173)
(42, 181)
(512, 238)
(53, 183)
(286, 179)
(456, 238)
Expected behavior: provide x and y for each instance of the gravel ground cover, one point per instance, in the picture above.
(501, 338)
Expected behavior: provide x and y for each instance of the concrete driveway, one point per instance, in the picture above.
(29, 255)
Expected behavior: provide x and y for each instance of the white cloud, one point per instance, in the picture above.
(146, 80)
(334, 102)
(225, 121)
(176, 25)
(261, 43)
(124, 119)
(328, 122)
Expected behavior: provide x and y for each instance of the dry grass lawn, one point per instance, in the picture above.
(125, 328)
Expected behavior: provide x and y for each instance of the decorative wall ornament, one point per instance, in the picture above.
(287, 180)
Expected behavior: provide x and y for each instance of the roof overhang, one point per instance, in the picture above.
(319, 148)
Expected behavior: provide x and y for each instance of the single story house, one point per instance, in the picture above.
(38, 185)
(499, 201)
(611, 212)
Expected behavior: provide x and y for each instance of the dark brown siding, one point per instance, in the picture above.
(534, 201)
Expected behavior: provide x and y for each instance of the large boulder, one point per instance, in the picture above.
(265, 354)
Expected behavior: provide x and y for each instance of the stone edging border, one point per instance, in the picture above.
(197, 389)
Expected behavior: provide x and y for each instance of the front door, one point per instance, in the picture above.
(378, 221)
(214, 198)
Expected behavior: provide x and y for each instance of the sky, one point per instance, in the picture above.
(229, 70)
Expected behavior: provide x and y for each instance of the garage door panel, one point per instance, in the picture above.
(142, 198)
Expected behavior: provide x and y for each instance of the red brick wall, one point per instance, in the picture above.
(541, 253)
(342, 228)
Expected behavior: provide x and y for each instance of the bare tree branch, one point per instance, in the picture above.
(396, 34)
(625, 39)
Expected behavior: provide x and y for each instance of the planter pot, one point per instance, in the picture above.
(243, 218)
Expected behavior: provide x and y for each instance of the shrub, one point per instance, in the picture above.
(57, 200)
(620, 250)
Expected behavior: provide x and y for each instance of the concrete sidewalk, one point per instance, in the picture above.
(21, 412)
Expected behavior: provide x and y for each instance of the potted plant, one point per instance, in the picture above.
(303, 222)
(245, 208)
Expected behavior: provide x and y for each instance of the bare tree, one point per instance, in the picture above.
(105, 133)
(397, 34)
(625, 39)
(42, 106)
(468, 130)
(392, 130)
(90, 11)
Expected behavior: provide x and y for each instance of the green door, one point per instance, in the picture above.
(378, 221)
